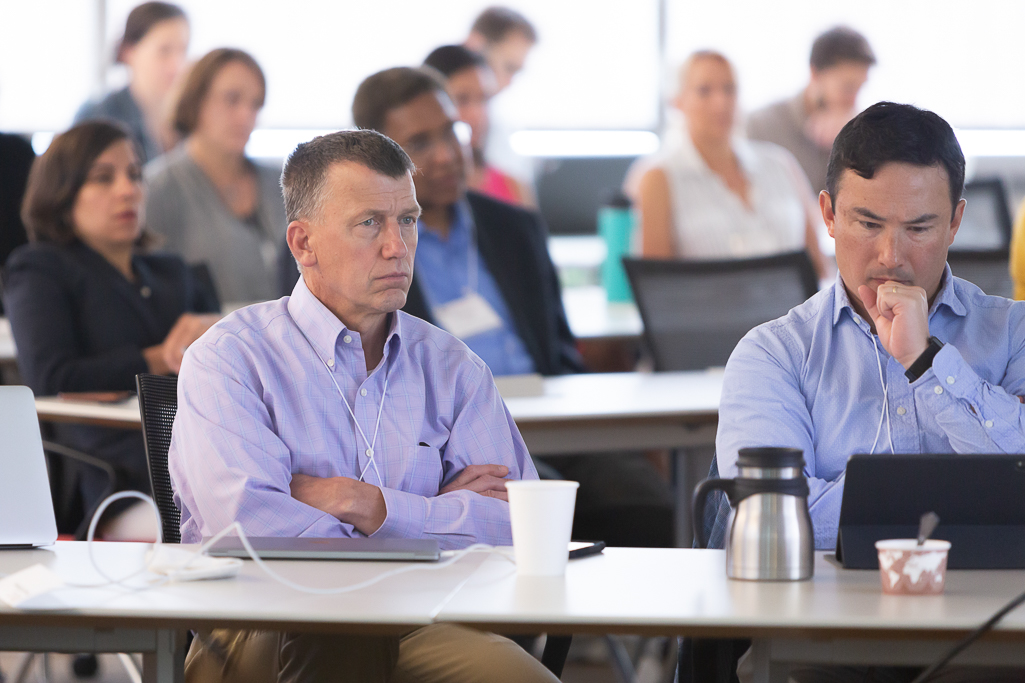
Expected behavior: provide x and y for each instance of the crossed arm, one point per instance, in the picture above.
(362, 505)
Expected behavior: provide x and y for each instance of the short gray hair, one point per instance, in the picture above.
(302, 180)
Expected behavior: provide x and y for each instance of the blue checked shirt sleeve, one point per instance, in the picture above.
(977, 417)
(763, 405)
(482, 432)
(237, 467)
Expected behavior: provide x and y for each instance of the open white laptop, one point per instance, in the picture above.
(26, 508)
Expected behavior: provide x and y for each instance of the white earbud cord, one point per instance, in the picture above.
(886, 402)
(370, 443)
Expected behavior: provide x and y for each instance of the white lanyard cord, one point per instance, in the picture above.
(886, 403)
(472, 267)
(370, 444)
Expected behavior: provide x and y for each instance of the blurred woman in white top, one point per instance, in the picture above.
(714, 196)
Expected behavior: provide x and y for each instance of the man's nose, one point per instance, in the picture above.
(892, 249)
(394, 245)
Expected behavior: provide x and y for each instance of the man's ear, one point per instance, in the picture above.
(826, 207)
(955, 221)
(298, 237)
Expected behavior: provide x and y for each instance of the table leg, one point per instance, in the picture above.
(166, 664)
(682, 486)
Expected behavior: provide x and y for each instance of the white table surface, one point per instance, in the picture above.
(124, 414)
(686, 591)
(839, 616)
(252, 599)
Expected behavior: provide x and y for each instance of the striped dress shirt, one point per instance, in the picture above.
(256, 404)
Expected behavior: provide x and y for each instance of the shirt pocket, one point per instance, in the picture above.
(424, 470)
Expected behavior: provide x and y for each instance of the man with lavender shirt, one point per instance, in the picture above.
(332, 413)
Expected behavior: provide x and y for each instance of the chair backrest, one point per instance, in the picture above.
(989, 270)
(695, 312)
(986, 224)
(158, 403)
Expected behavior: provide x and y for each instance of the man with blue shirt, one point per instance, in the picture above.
(898, 355)
(484, 274)
(331, 413)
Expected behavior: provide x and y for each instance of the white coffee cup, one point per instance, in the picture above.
(542, 522)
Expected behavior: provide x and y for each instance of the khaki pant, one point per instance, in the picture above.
(436, 653)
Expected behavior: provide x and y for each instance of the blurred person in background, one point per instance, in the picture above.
(16, 158)
(718, 197)
(807, 124)
(482, 272)
(153, 48)
(471, 85)
(91, 307)
(211, 202)
(1018, 253)
(504, 37)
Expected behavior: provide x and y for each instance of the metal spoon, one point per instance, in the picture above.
(926, 526)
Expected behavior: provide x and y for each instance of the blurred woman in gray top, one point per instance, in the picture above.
(153, 49)
(211, 203)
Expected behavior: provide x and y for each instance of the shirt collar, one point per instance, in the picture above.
(945, 297)
(323, 328)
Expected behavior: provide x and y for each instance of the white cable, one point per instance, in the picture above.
(380, 410)
(886, 403)
(235, 526)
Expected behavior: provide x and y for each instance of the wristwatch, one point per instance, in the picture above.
(924, 362)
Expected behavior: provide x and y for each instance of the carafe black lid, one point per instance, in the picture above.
(770, 456)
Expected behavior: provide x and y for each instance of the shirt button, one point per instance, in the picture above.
(857, 319)
(950, 380)
(347, 339)
(362, 392)
(901, 410)
(989, 423)
(938, 389)
(146, 292)
(330, 362)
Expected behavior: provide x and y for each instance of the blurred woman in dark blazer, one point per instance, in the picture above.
(89, 306)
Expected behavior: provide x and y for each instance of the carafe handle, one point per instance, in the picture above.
(699, 499)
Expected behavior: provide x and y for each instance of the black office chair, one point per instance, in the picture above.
(695, 312)
(989, 269)
(986, 225)
(158, 403)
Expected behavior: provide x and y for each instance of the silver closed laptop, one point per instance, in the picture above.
(363, 549)
(26, 507)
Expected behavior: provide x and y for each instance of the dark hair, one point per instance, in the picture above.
(840, 44)
(197, 84)
(141, 19)
(390, 89)
(451, 59)
(495, 23)
(302, 180)
(59, 174)
(888, 132)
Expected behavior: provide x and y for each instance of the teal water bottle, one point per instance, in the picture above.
(616, 226)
